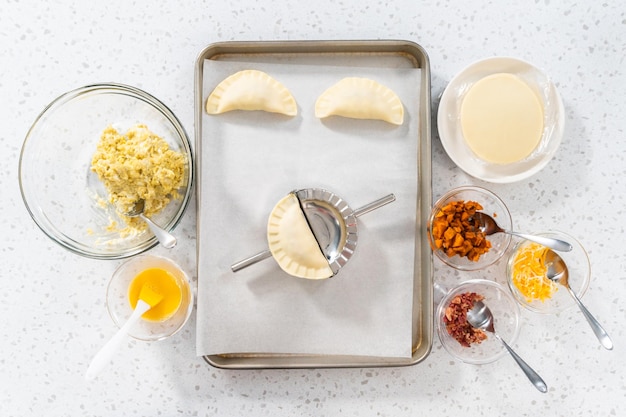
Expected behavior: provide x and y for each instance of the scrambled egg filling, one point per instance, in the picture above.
(137, 165)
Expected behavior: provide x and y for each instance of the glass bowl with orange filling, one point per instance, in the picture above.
(456, 239)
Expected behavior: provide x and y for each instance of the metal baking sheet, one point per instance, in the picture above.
(380, 53)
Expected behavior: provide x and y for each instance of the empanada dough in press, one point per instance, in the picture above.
(251, 90)
(292, 242)
(360, 98)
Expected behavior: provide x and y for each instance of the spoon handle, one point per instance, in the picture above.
(163, 236)
(555, 244)
(533, 376)
(599, 331)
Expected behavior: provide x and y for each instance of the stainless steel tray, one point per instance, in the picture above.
(381, 53)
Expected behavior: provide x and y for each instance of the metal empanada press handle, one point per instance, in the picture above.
(251, 260)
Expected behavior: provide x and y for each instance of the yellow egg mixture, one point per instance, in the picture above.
(162, 282)
(137, 165)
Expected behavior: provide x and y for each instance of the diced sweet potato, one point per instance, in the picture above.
(455, 232)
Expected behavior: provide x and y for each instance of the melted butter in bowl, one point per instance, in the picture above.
(502, 119)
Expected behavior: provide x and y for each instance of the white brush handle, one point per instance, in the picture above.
(103, 357)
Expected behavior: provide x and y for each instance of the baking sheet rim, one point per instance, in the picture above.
(421, 346)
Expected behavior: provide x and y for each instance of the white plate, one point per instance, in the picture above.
(448, 121)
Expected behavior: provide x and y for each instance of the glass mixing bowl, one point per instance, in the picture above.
(64, 197)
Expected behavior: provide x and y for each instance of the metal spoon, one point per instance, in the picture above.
(165, 238)
(489, 226)
(557, 272)
(480, 317)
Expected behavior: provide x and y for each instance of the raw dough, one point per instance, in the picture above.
(292, 242)
(360, 98)
(251, 90)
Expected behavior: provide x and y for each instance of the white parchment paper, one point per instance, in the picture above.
(249, 161)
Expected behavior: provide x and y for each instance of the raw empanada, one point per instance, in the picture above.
(360, 98)
(251, 90)
(292, 242)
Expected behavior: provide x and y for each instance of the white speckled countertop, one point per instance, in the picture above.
(52, 302)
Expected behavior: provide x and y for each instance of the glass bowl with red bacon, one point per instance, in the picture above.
(466, 343)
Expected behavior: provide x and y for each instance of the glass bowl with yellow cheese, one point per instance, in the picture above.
(526, 275)
(501, 119)
(165, 277)
(90, 154)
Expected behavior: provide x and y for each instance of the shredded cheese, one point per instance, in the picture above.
(529, 273)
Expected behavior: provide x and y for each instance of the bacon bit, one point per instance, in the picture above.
(455, 319)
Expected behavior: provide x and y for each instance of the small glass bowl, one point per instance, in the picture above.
(64, 197)
(493, 206)
(119, 307)
(506, 316)
(579, 275)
